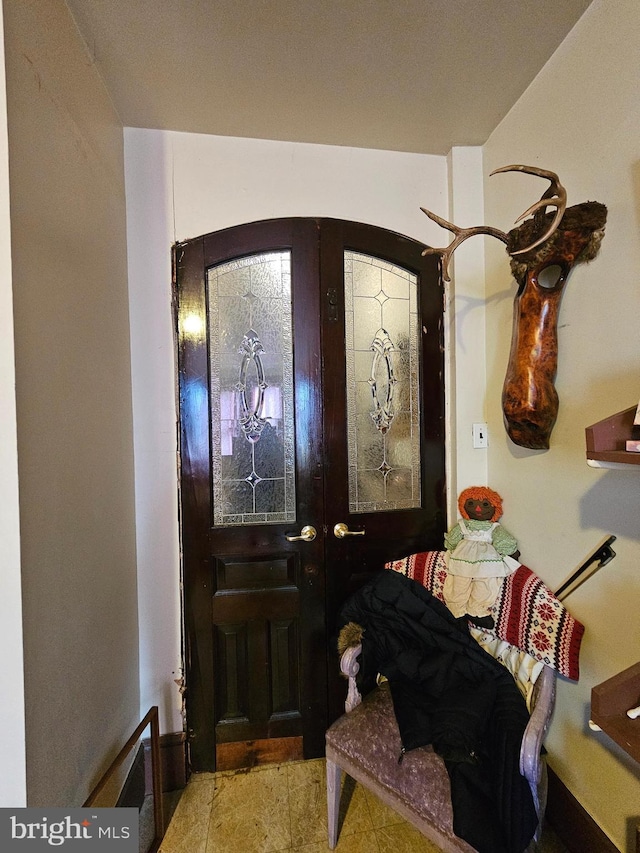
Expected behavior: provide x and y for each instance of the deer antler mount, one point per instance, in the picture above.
(543, 251)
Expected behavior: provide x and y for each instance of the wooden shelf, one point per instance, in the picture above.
(606, 441)
(610, 702)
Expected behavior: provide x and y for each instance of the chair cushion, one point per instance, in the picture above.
(367, 739)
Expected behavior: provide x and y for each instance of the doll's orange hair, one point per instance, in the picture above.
(481, 493)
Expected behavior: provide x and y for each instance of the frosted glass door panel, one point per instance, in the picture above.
(383, 416)
(251, 388)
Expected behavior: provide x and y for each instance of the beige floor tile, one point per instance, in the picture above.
(203, 776)
(308, 804)
(361, 842)
(403, 838)
(284, 807)
(250, 812)
(354, 812)
(381, 814)
(189, 827)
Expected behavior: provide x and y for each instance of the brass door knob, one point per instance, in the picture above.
(341, 530)
(307, 534)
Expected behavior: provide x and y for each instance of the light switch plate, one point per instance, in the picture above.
(480, 436)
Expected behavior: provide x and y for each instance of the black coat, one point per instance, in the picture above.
(447, 691)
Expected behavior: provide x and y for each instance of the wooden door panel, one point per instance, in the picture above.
(234, 574)
(394, 533)
(260, 608)
(246, 587)
(257, 681)
(388, 534)
(232, 646)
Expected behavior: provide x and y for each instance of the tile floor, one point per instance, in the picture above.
(283, 808)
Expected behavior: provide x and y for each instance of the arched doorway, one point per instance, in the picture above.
(311, 382)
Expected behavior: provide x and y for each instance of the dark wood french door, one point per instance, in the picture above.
(310, 362)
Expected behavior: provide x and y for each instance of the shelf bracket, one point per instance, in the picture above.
(604, 553)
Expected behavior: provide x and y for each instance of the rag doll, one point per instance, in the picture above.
(480, 553)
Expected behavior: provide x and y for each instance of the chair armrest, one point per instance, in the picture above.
(538, 725)
(350, 667)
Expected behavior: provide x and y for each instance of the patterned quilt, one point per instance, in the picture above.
(527, 614)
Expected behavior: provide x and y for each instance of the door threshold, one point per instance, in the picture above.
(243, 755)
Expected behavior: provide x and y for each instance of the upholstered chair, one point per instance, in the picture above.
(365, 744)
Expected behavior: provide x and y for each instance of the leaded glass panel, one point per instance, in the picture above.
(251, 390)
(383, 415)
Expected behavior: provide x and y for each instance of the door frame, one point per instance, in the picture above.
(198, 651)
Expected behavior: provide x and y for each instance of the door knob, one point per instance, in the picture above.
(307, 534)
(341, 530)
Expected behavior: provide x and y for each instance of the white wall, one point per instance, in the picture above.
(73, 402)
(581, 119)
(466, 347)
(183, 185)
(12, 736)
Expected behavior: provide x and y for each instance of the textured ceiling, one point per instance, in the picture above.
(406, 75)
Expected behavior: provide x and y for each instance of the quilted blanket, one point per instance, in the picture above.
(526, 613)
